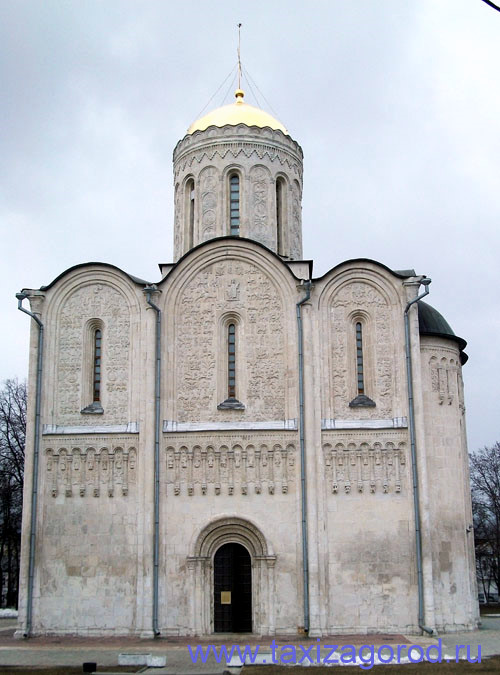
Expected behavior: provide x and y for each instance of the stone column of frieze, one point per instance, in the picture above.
(191, 565)
(312, 451)
(207, 584)
(313, 412)
(262, 598)
(145, 522)
(271, 562)
(200, 625)
(412, 287)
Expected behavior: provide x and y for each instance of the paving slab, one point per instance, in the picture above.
(73, 651)
(488, 636)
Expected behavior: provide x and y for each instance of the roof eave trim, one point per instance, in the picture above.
(135, 280)
(248, 126)
(395, 273)
(229, 239)
(460, 341)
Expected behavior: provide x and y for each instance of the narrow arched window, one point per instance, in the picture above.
(97, 366)
(280, 211)
(231, 383)
(231, 361)
(361, 400)
(234, 204)
(190, 213)
(92, 381)
(359, 358)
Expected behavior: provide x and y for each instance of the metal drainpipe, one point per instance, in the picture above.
(36, 453)
(416, 504)
(305, 547)
(156, 536)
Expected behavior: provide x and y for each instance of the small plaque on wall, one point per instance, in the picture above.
(225, 598)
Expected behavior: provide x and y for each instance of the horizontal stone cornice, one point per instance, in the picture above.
(171, 426)
(391, 423)
(236, 134)
(57, 429)
(236, 148)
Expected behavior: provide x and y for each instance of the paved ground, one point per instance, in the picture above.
(67, 651)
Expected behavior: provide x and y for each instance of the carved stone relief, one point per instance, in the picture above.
(230, 469)
(106, 303)
(91, 470)
(208, 187)
(378, 351)
(460, 388)
(261, 227)
(444, 379)
(177, 222)
(233, 291)
(227, 150)
(296, 228)
(364, 467)
(245, 289)
(339, 370)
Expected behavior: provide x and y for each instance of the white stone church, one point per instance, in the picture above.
(242, 446)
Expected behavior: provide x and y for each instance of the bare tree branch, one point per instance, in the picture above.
(12, 441)
(485, 485)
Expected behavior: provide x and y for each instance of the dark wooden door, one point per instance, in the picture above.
(232, 590)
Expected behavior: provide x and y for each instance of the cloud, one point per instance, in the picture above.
(395, 105)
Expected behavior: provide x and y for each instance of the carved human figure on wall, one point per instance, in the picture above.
(208, 183)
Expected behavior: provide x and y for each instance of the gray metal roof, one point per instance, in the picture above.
(431, 322)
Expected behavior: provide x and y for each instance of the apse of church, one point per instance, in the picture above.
(230, 448)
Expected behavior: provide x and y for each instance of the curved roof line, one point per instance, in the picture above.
(401, 274)
(433, 324)
(237, 124)
(236, 112)
(229, 238)
(135, 280)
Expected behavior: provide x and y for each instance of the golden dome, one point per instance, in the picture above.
(237, 113)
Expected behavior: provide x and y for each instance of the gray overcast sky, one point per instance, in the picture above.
(396, 104)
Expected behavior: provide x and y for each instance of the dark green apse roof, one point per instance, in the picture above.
(431, 322)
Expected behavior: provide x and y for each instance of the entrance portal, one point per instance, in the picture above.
(232, 589)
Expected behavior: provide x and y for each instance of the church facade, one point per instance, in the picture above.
(241, 446)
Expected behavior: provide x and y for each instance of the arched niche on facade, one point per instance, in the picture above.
(230, 530)
(82, 299)
(369, 295)
(238, 278)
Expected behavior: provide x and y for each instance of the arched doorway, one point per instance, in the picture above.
(232, 589)
(201, 565)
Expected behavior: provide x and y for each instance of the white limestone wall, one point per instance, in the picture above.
(71, 307)
(371, 557)
(270, 507)
(233, 475)
(249, 472)
(361, 544)
(89, 513)
(221, 284)
(88, 537)
(367, 293)
(455, 592)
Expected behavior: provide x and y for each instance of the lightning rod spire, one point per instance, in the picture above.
(239, 56)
